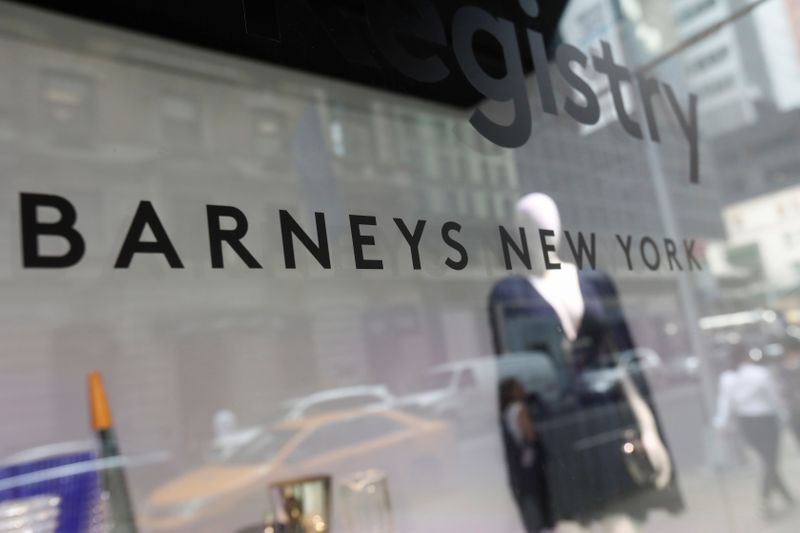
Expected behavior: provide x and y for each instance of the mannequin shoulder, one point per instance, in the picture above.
(509, 287)
(599, 279)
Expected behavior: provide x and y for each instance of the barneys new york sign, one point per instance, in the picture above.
(227, 226)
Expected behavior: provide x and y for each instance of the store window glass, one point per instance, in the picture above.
(400, 266)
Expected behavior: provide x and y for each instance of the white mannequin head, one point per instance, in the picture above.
(533, 212)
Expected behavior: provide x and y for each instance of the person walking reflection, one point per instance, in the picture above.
(751, 397)
(526, 458)
(790, 379)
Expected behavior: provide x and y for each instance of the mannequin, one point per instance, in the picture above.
(555, 297)
(559, 287)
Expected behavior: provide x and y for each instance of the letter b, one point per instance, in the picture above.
(32, 228)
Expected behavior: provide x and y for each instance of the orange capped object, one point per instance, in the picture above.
(98, 403)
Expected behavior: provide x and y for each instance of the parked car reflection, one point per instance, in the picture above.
(229, 438)
(329, 444)
(458, 391)
(363, 396)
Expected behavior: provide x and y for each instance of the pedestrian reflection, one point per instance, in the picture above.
(729, 447)
(526, 457)
(749, 401)
(790, 381)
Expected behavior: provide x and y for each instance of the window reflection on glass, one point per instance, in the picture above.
(181, 120)
(69, 105)
(269, 133)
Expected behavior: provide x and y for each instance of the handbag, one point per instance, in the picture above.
(637, 462)
(634, 454)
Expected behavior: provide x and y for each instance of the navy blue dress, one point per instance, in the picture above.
(584, 427)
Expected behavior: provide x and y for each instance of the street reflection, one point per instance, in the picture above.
(337, 442)
(753, 404)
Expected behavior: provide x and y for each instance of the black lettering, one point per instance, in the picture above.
(386, 21)
(413, 239)
(626, 247)
(32, 228)
(523, 254)
(290, 228)
(547, 249)
(669, 246)
(146, 216)
(654, 265)
(649, 87)
(360, 240)
(542, 72)
(461, 264)
(588, 113)
(530, 7)
(217, 235)
(617, 74)
(467, 22)
(582, 248)
(688, 247)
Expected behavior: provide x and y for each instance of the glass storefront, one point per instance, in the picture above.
(262, 296)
